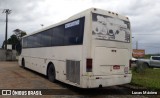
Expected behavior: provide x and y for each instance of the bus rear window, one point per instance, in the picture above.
(110, 28)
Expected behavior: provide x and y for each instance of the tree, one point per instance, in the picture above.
(15, 40)
(19, 33)
(3, 44)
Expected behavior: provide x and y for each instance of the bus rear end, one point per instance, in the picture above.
(110, 56)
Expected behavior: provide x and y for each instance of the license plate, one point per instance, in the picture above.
(116, 67)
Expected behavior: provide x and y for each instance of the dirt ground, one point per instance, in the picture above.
(12, 76)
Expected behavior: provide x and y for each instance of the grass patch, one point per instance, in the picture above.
(150, 78)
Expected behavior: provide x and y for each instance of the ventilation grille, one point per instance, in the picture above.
(73, 71)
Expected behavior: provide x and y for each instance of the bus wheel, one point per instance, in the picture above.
(23, 63)
(51, 73)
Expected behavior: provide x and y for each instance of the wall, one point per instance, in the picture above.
(11, 55)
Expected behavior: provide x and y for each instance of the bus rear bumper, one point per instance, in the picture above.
(104, 81)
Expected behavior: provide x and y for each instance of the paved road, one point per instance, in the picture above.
(14, 77)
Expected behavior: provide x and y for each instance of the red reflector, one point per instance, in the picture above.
(89, 65)
(116, 67)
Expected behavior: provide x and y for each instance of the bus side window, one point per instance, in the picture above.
(74, 35)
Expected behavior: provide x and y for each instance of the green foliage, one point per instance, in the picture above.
(140, 68)
(19, 33)
(149, 78)
(14, 39)
(147, 56)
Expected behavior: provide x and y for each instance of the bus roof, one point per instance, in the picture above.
(81, 14)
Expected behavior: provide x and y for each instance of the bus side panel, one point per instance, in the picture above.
(86, 50)
(38, 59)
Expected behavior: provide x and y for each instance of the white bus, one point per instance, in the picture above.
(88, 50)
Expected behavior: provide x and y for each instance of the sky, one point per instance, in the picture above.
(28, 15)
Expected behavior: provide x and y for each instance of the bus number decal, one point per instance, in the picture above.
(71, 24)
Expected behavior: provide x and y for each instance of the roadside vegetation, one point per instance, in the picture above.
(147, 56)
(148, 78)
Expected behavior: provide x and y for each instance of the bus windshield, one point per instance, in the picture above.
(110, 28)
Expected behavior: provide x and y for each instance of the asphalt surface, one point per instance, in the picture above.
(14, 77)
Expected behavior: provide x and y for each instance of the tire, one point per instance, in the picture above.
(51, 73)
(145, 65)
(23, 63)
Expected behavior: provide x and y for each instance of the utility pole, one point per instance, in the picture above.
(136, 44)
(7, 11)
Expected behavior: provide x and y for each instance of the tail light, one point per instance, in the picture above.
(89, 65)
